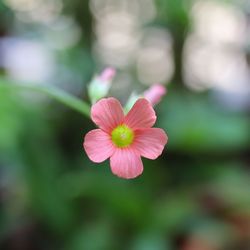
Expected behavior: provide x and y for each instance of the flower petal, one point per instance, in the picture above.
(125, 163)
(98, 145)
(107, 113)
(150, 142)
(141, 115)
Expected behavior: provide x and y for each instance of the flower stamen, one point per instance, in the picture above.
(122, 136)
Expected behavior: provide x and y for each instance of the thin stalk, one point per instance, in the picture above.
(51, 91)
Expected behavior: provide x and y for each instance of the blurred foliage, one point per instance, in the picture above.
(195, 197)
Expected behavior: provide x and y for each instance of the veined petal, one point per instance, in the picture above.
(141, 115)
(107, 113)
(150, 142)
(126, 163)
(98, 145)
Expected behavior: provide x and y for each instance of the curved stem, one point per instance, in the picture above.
(55, 93)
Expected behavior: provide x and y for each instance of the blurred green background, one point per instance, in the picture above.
(196, 196)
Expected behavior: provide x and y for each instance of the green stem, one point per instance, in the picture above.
(55, 93)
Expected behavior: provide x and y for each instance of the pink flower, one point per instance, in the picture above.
(155, 93)
(124, 139)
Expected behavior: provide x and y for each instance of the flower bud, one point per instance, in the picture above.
(100, 85)
(107, 75)
(155, 93)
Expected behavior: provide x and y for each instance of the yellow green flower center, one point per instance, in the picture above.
(122, 136)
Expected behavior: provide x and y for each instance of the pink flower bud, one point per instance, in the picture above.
(100, 85)
(155, 93)
(107, 75)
